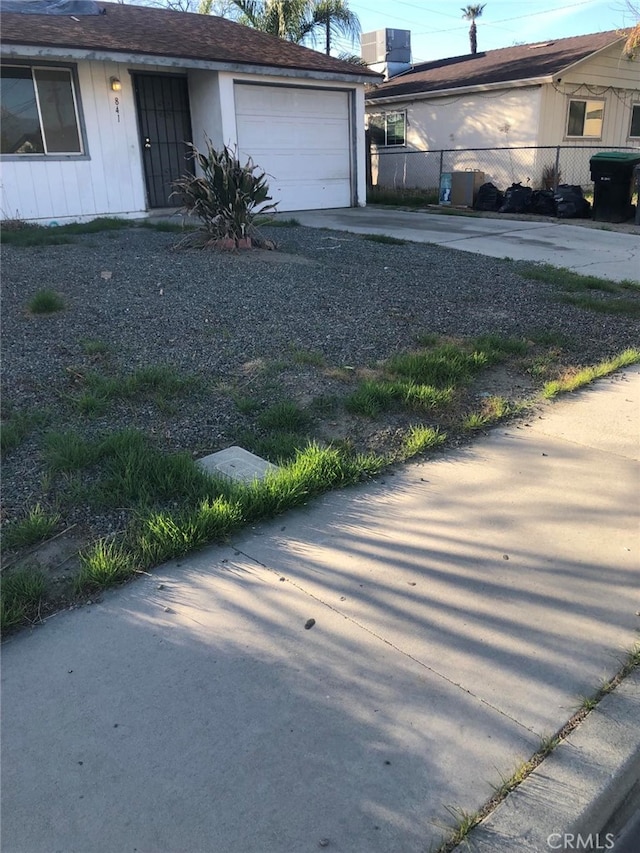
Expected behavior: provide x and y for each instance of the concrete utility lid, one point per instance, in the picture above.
(238, 464)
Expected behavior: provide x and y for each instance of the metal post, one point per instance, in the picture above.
(556, 171)
(440, 172)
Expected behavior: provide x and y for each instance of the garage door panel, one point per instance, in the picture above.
(301, 138)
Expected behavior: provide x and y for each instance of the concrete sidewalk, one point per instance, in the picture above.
(589, 251)
(463, 607)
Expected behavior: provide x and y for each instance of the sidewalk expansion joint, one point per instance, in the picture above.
(401, 651)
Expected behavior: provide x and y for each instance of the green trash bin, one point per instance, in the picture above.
(612, 176)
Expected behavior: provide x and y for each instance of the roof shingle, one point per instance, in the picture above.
(162, 32)
(522, 62)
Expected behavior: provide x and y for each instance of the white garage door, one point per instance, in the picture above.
(301, 138)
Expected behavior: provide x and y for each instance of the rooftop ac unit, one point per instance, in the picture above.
(386, 46)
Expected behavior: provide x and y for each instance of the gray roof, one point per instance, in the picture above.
(522, 62)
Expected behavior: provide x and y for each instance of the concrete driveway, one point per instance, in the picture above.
(587, 250)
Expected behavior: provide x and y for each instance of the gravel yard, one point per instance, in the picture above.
(304, 323)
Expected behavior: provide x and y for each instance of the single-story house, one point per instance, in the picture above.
(580, 93)
(98, 100)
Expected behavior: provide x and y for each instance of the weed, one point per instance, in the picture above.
(427, 340)
(105, 564)
(308, 357)
(163, 536)
(385, 238)
(92, 346)
(497, 347)
(46, 302)
(67, 451)
(246, 405)
(278, 447)
(285, 417)
(370, 399)
(493, 409)
(35, 527)
(576, 379)
(418, 438)
(615, 305)
(20, 595)
(442, 367)
(164, 226)
(17, 426)
(292, 222)
(39, 235)
(374, 397)
(566, 279)
(134, 473)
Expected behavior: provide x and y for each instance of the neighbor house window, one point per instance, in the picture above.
(388, 128)
(39, 111)
(634, 132)
(585, 118)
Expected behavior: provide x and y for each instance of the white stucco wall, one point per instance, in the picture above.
(490, 119)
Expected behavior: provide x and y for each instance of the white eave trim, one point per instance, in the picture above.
(14, 51)
(460, 90)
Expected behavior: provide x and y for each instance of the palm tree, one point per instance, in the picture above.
(470, 13)
(297, 20)
(335, 18)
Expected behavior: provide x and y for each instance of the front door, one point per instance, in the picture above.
(165, 128)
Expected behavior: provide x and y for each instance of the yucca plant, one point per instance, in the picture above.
(225, 196)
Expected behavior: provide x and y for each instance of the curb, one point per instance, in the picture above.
(582, 794)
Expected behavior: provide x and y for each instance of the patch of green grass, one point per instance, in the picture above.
(291, 222)
(493, 409)
(32, 234)
(549, 338)
(157, 383)
(67, 451)
(566, 279)
(427, 339)
(246, 405)
(313, 358)
(104, 564)
(163, 226)
(21, 592)
(386, 239)
(37, 526)
(278, 447)
(93, 346)
(573, 380)
(444, 366)
(284, 417)
(46, 302)
(134, 473)
(419, 438)
(373, 397)
(16, 426)
(163, 536)
(496, 347)
(613, 305)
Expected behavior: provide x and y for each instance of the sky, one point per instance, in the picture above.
(438, 29)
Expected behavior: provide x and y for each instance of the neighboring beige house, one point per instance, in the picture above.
(581, 93)
(98, 100)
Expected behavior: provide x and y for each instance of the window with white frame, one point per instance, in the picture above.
(634, 130)
(39, 111)
(388, 128)
(585, 118)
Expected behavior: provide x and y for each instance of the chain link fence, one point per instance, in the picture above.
(540, 167)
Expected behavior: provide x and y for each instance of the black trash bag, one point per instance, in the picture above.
(517, 199)
(570, 203)
(489, 198)
(543, 203)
